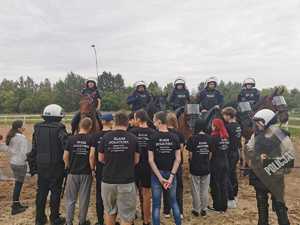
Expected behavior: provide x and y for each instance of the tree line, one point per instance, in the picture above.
(27, 96)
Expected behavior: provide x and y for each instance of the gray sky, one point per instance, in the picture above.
(153, 40)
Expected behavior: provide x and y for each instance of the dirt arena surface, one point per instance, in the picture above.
(245, 214)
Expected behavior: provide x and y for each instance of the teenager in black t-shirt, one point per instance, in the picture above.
(164, 159)
(80, 161)
(172, 124)
(119, 151)
(143, 171)
(235, 133)
(219, 165)
(107, 123)
(199, 147)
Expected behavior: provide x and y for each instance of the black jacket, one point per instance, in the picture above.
(48, 143)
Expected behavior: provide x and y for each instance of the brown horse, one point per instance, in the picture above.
(276, 103)
(188, 116)
(86, 109)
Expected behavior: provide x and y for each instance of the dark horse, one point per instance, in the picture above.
(188, 115)
(86, 109)
(245, 112)
(274, 102)
(157, 103)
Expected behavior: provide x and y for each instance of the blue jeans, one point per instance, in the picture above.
(157, 190)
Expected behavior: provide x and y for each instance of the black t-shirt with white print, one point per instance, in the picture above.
(119, 148)
(200, 146)
(220, 148)
(97, 138)
(235, 134)
(79, 148)
(181, 140)
(144, 137)
(164, 146)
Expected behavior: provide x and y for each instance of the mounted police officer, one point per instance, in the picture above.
(210, 96)
(249, 93)
(92, 91)
(268, 146)
(46, 160)
(180, 95)
(140, 97)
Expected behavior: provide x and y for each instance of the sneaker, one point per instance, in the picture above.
(181, 216)
(167, 216)
(211, 209)
(231, 204)
(195, 213)
(203, 213)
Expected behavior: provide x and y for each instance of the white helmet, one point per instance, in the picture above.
(179, 80)
(53, 110)
(140, 83)
(264, 115)
(91, 79)
(250, 81)
(211, 79)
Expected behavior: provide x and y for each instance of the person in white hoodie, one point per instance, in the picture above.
(17, 146)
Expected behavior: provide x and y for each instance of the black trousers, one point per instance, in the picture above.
(99, 201)
(179, 193)
(44, 186)
(218, 185)
(262, 197)
(232, 176)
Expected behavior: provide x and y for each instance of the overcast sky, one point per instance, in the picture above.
(153, 40)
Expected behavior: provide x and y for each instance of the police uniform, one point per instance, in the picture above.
(209, 98)
(46, 159)
(139, 100)
(271, 147)
(249, 95)
(264, 142)
(179, 98)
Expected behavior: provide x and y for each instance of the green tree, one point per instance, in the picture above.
(154, 88)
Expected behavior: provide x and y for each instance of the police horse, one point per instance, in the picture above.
(245, 111)
(189, 114)
(86, 109)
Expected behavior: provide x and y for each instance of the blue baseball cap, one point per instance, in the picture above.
(107, 117)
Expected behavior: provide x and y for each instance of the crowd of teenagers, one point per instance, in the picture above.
(134, 156)
(128, 157)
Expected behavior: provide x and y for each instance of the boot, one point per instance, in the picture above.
(58, 221)
(17, 208)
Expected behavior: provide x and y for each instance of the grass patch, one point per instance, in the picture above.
(294, 122)
(295, 132)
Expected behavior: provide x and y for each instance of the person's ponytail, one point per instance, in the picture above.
(14, 130)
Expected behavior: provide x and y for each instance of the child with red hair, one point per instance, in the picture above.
(219, 165)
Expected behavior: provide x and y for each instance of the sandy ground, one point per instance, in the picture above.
(245, 214)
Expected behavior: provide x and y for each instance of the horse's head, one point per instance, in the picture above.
(275, 102)
(187, 117)
(192, 114)
(158, 103)
(86, 104)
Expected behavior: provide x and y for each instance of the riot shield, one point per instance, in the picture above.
(271, 155)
